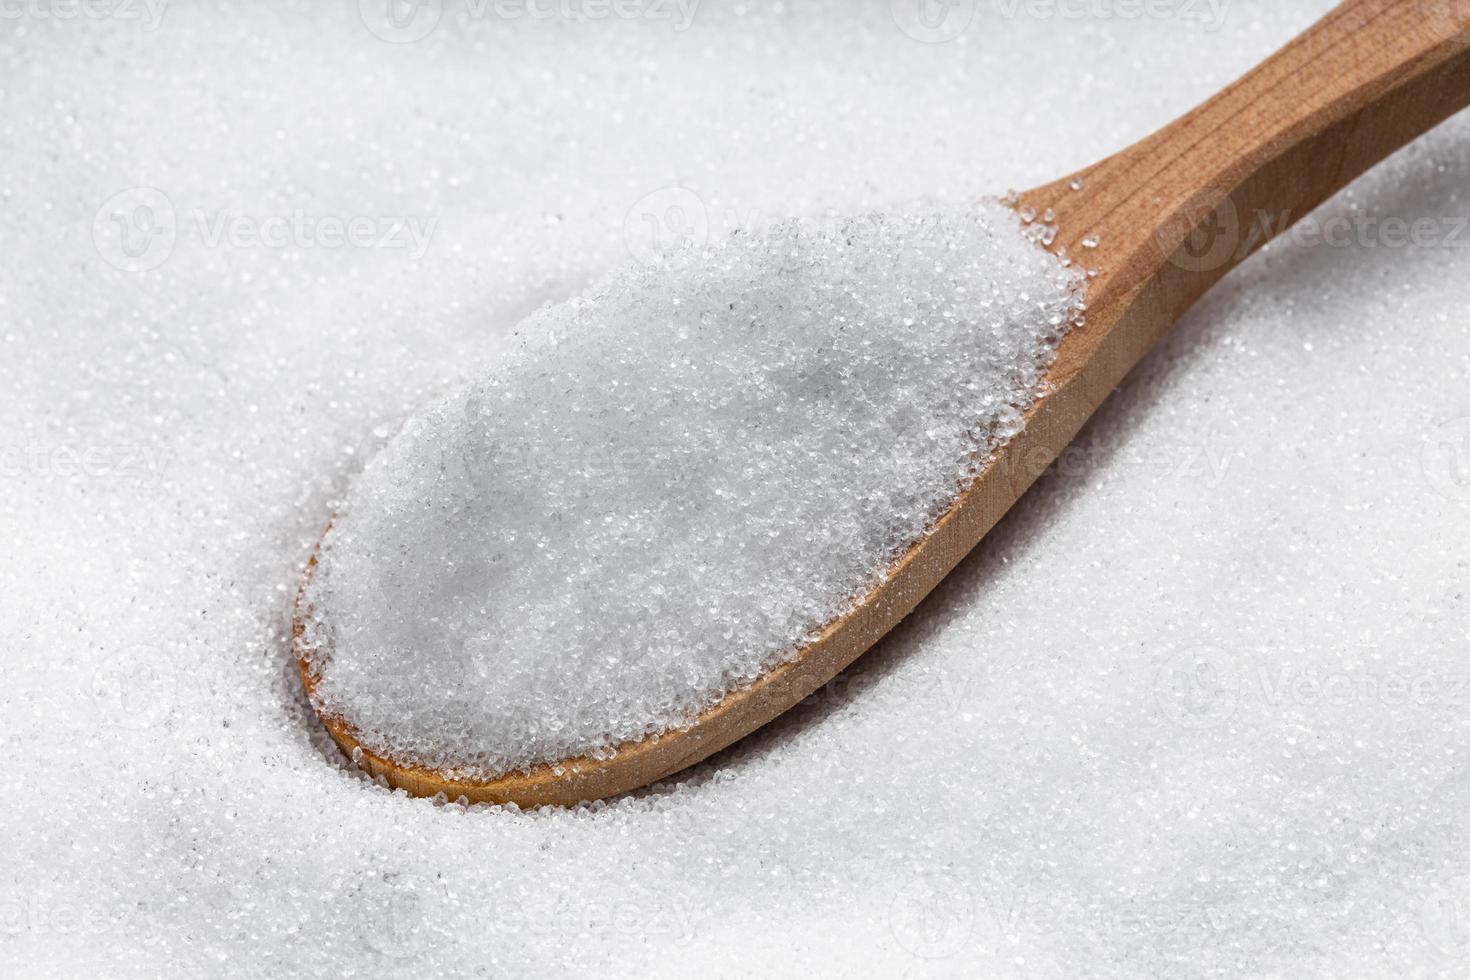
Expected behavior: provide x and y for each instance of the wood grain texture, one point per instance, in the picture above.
(1172, 214)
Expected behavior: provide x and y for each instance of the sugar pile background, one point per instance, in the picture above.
(1198, 707)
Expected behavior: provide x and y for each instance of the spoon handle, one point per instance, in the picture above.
(1167, 218)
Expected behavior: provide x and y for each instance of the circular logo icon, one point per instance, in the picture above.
(1198, 688)
(933, 21)
(933, 916)
(1445, 917)
(1201, 233)
(135, 230)
(1449, 19)
(1446, 458)
(134, 688)
(14, 917)
(400, 21)
(664, 226)
(394, 913)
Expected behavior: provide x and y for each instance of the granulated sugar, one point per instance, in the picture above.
(1197, 706)
(682, 477)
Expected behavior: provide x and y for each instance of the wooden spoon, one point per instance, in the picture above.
(1161, 222)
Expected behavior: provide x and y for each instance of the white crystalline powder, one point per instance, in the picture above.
(682, 476)
(1197, 707)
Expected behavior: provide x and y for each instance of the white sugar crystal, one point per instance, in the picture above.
(682, 477)
(1196, 708)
